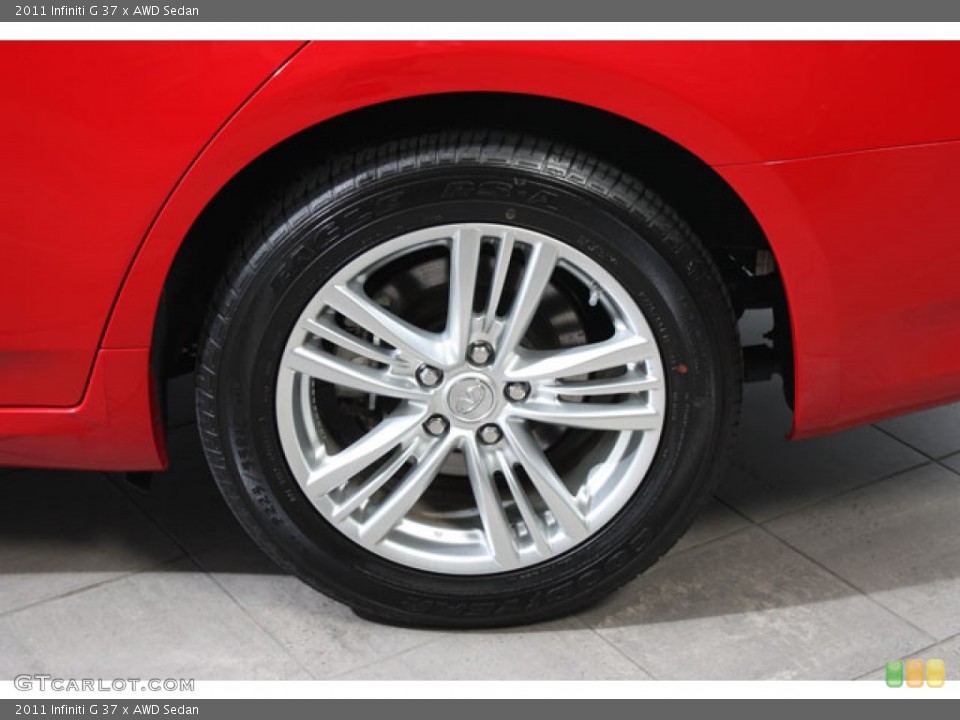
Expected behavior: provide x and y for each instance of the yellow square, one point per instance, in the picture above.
(914, 673)
(936, 673)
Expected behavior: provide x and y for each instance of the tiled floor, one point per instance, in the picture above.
(819, 559)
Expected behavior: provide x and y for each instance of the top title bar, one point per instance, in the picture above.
(516, 11)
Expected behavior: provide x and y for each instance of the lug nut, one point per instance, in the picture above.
(517, 391)
(490, 434)
(429, 376)
(480, 353)
(436, 425)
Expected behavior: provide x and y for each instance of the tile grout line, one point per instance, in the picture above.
(276, 641)
(930, 460)
(684, 551)
(130, 498)
(915, 652)
(839, 494)
(949, 457)
(831, 573)
(845, 581)
(136, 497)
(188, 555)
(723, 536)
(947, 639)
(735, 510)
(184, 553)
(153, 567)
(616, 649)
(869, 672)
(935, 460)
(445, 635)
(390, 656)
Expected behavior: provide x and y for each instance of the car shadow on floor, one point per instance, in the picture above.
(56, 521)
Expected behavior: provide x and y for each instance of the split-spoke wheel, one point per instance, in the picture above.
(471, 381)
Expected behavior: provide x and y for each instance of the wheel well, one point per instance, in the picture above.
(701, 197)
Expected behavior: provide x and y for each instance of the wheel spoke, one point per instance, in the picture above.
(402, 500)
(498, 535)
(334, 470)
(330, 368)
(464, 262)
(408, 339)
(624, 385)
(374, 483)
(541, 261)
(500, 269)
(527, 512)
(592, 416)
(548, 365)
(558, 499)
(327, 329)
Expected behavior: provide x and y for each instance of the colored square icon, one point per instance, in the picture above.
(914, 673)
(935, 673)
(894, 673)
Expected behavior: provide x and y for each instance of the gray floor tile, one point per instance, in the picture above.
(896, 540)
(325, 636)
(564, 650)
(176, 623)
(935, 432)
(772, 476)
(714, 521)
(62, 531)
(748, 607)
(185, 501)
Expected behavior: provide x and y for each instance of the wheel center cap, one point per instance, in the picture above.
(470, 398)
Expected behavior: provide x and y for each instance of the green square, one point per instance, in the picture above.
(894, 673)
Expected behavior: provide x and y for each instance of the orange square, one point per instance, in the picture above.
(914, 673)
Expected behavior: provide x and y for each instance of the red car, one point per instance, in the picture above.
(463, 315)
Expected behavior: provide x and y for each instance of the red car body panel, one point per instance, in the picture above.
(869, 244)
(117, 426)
(93, 137)
(844, 152)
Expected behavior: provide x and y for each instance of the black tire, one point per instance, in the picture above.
(351, 203)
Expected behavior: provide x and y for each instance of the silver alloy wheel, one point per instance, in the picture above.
(506, 501)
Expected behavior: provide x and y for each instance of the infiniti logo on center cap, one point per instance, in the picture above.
(470, 398)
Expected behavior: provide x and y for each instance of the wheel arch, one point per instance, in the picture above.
(716, 213)
(171, 277)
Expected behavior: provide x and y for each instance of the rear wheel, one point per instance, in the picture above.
(469, 380)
